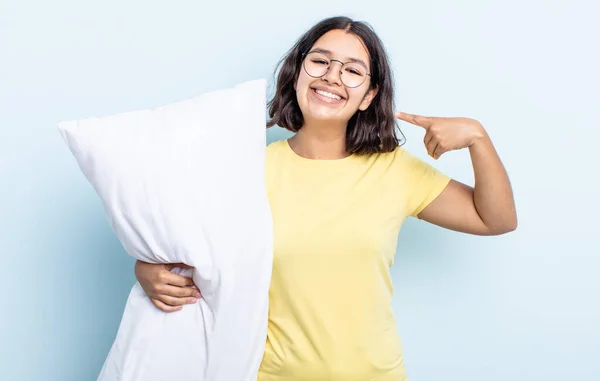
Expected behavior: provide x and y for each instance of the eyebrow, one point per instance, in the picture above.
(329, 53)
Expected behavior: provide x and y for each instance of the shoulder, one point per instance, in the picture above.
(276, 146)
(399, 157)
(404, 159)
(406, 166)
(274, 163)
(275, 149)
(274, 156)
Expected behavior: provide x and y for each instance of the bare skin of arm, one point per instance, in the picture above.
(488, 208)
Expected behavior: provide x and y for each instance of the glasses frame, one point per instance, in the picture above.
(304, 55)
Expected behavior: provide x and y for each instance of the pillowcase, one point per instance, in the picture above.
(186, 183)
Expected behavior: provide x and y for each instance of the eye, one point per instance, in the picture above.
(354, 71)
(320, 61)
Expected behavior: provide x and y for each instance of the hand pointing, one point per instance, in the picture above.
(445, 134)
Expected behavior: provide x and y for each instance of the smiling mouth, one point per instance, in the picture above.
(327, 95)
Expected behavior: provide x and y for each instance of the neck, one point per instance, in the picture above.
(320, 141)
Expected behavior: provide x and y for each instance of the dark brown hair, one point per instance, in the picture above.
(369, 131)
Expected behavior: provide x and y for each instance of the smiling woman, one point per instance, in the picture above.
(340, 190)
(330, 56)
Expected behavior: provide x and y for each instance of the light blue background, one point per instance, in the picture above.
(524, 306)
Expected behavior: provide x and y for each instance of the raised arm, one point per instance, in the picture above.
(488, 208)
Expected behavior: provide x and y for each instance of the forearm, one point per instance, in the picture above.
(493, 195)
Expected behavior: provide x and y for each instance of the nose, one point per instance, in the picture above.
(333, 74)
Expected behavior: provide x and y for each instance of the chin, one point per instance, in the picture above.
(325, 117)
(319, 113)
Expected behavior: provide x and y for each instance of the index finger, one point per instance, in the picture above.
(165, 307)
(417, 120)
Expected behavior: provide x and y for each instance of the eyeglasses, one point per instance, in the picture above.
(352, 74)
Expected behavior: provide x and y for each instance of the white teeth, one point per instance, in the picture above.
(328, 95)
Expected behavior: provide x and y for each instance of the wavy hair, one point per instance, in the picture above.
(367, 132)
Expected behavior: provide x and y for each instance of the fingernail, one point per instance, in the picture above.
(197, 295)
(194, 300)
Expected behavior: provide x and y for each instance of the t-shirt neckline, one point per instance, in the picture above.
(299, 158)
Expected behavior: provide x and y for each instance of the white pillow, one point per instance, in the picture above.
(185, 183)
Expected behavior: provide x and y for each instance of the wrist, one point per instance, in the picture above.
(479, 135)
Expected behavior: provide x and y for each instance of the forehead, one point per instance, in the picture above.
(343, 45)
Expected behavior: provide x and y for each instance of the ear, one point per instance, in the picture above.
(368, 98)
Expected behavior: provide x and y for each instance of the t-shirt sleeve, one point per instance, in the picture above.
(423, 182)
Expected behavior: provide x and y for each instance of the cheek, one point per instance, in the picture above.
(356, 97)
(301, 79)
(302, 87)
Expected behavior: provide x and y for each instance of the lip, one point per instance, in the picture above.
(323, 99)
(332, 91)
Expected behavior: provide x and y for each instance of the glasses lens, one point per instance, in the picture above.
(352, 74)
(316, 64)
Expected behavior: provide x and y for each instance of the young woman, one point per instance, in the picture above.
(339, 190)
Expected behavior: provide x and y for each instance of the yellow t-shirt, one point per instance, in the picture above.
(336, 225)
